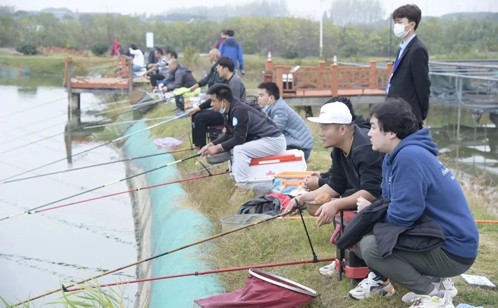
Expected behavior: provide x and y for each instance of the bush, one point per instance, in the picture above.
(191, 55)
(99, 49)
(27, 48)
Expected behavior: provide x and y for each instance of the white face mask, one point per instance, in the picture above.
(399, 31)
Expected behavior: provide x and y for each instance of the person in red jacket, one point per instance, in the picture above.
(223, 38)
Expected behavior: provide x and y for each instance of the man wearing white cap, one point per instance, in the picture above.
(354, 163)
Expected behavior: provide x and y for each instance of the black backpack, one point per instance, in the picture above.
(261, 205)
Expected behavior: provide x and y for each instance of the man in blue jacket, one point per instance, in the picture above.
(230, 48)
(297, 134)
(417, 183)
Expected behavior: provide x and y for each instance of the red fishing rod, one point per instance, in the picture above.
(30, 211)
(158, 256)
(93, 166)
(129, 191)
(224, 270)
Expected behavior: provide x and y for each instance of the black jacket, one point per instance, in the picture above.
(181, 77)
(211, 78)
(363, 223)
(411, 80)
(362, 124)
(424, 235)
(243, 124)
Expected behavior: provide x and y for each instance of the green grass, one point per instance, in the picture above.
(284, 240)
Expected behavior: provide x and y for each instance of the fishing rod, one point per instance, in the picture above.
(224, 270)
(61, 133)
(95, 147)
(126, 122)
(130, 190)
(93, 166)
(30, 108)
(158, 256)
(32, 210)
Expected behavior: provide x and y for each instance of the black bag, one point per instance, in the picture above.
(261, 205)
(214, 133)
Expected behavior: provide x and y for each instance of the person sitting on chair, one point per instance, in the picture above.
(249, 133)
(179, 81)
(297, 134)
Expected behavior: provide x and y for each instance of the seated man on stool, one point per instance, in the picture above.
(179, 81)
(297, 134)
(356, 168)
(248, 132)
(202, 118)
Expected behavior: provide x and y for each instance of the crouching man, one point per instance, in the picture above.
(417, 183)
(248, 132)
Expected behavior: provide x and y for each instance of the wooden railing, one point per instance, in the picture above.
(324, 80)
(113, 73)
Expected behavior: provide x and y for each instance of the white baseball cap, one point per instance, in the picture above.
(333, 113)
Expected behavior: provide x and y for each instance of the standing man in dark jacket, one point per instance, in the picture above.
(249, 133)
(230, 48)
(410, 77)
(213, 76)
(417, 183)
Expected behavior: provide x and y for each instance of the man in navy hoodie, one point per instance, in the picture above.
(417, 183)
(230, 48)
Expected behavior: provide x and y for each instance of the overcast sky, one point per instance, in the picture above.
(308, 8)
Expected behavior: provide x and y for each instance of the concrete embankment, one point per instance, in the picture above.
(163, 222)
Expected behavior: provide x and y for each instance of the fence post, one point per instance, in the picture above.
(372, 82)
(69, 89)
(335, 79)
(321, 70)
(130, 75)
(279, 79)
(268, 73)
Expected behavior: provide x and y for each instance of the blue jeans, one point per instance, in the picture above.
(137, 68)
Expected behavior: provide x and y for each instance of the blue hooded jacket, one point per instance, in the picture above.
(417, 183)
(230, 48)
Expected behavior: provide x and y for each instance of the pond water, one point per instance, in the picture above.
(39, 252)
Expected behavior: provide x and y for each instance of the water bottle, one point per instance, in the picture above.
(269, 55)
(335, 59)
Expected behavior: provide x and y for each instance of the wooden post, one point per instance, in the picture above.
(321, 71)
(279, 71)
(69, 89)
(268, 73)
(130, 75)
(335, 79)
(372, 81)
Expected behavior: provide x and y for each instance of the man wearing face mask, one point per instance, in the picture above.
(410, 76)
(202, 118)
(297, 134)
(249, 133)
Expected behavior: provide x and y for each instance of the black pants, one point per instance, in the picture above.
(154, 78)
(201, 121)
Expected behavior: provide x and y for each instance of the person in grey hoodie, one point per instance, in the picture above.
(297, 134)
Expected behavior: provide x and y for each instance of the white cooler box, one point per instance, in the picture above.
(264, 169)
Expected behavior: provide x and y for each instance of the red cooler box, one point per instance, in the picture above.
(265, 168)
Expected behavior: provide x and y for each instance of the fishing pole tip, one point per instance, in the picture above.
(64, 289)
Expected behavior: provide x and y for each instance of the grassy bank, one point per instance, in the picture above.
(285, 240)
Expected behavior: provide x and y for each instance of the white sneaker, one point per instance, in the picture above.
(426, 301)
(329, 270)
(443, 284)
(372, 285)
